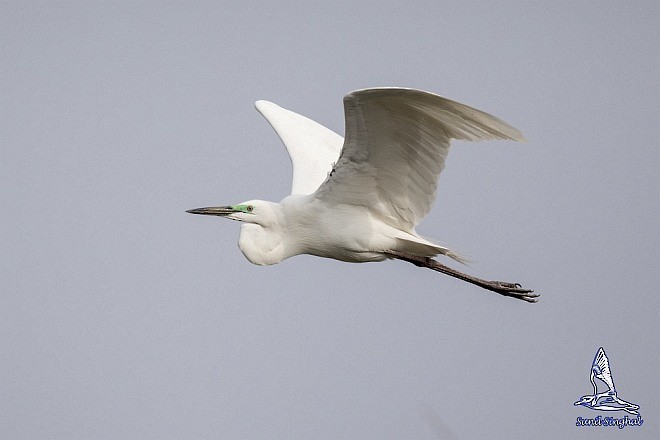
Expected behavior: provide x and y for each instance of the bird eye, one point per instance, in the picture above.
(250, 208)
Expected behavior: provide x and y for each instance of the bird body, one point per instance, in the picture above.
(359, 199)
(302, 224)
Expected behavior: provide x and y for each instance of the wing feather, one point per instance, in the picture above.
(601, 367)
(396, 144)
(313, 148)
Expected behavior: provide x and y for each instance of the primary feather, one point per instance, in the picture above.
(396, 144)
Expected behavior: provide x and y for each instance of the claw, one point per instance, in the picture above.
(514, 290)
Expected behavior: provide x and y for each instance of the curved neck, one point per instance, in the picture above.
(276, 236)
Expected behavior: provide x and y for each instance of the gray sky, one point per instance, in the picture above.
(122, 317)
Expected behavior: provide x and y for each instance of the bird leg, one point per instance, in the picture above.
(513, 290)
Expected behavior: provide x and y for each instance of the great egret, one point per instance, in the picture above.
(359, 199)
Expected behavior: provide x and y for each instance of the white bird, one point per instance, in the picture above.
(359, 199)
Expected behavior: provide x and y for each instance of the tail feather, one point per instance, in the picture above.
(424, 248)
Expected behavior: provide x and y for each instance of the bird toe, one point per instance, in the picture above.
(515, 290)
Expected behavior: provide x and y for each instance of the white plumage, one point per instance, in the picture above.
(359, 199)
(313, 148)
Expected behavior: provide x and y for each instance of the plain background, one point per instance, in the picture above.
(123, 317)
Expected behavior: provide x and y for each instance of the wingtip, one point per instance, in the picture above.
(383, 89)
(262, 105)
(520, 138)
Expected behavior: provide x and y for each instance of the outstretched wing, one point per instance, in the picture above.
(601, 368)
(313, 148)
(395, 148)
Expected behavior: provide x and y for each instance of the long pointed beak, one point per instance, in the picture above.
(221, 211)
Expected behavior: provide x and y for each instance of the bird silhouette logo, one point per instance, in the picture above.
(607, 400)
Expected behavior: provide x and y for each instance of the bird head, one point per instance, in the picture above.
(261, 236)
(585, 401)
(252, 211)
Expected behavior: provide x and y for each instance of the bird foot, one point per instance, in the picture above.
(513, 290)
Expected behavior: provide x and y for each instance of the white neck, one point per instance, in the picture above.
(260, 245)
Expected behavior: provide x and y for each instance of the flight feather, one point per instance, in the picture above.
(395, 146)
